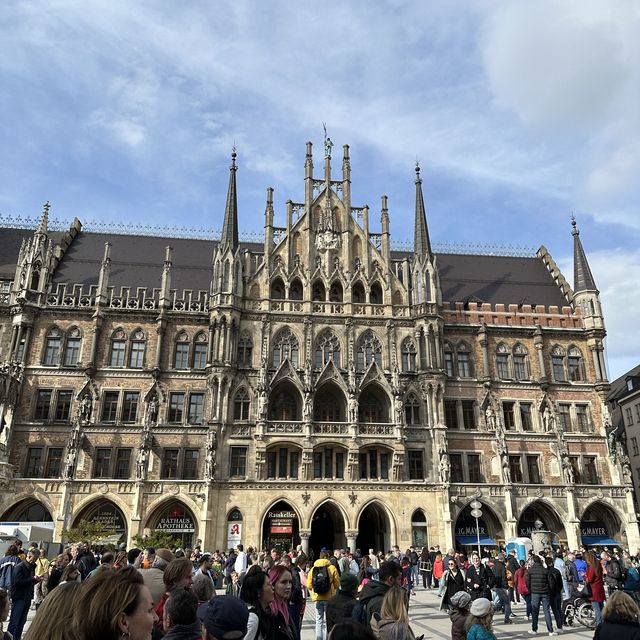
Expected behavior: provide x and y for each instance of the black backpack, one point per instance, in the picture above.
(320, 582)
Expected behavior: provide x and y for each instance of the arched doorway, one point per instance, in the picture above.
(539, 515)
(600, 525)
(107, 514)
(281, 527)
(373, 529)
(175, 518)
(419, 529)
(466, 531)
(327, 529)
(29, 510)
(234, 528)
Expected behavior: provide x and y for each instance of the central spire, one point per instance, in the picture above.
(422, 245)
(229, 235)
(582, 276)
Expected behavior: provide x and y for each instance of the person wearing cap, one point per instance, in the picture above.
(479, 621)
(180, 620)
(223, 618)
(340, 607)
(458, 613)
(154, 576)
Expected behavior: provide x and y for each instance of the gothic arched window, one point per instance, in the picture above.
(375, 293)
(575, 364)
(318, 292)
(463, 361)
(181, 355)
(277, 289)
(412, 409)
(357, 293)
(52, 347)
(369, 349)
(557, 364)
(520, 362)
(335, 292)
(118, 349)
(136, 353)
(502, 362)
(295, 290)
(285, 345)
(72, 346)
(327, 348)
(245, 350)
(200, 348)
(408, 355)
(241, 405)
(449, 360)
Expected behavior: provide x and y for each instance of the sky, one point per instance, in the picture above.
(520, 114)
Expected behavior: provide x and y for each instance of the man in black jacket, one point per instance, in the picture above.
(479, 579)
(612, 572)
(554, 578)
(85, 561)
(23, 582)
(513, 565)
(500, 586)
(538, 585)
(340, 607)
(373, 592)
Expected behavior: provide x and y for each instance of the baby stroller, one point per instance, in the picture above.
(578, 609)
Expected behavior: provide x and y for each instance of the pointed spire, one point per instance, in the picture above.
(422, 245)
(43, 225)
(582, 277)
(229, 235)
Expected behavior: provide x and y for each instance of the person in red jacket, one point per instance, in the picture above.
(520, 585)
(593, 577)
(438, 568)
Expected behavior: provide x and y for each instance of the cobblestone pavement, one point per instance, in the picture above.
(425, 618)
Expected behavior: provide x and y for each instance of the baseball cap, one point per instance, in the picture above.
(224, 617)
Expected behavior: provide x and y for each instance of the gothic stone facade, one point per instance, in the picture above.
(318, 388)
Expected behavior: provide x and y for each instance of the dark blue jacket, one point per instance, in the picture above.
(23, 581)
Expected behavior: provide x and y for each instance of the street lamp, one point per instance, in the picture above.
(476, 505)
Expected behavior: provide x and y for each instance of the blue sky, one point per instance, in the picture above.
(519, 112)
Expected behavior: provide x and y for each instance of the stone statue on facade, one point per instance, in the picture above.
(504, 469)
(444, 468)
(70, 464)
(328, 145)
(306, 465)
(262, 375)
(307, 411)
(84, 409)
(151, 418)
(399, 410)
(141, 463)
(308, 375)
(567, 470)
(395, 379)
(262, 406)
(548, 420)
(352, 380)
(490, 418)
(353, 408)
(210, 456)
(398, 466)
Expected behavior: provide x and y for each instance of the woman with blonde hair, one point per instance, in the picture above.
(392, 623)
(54, 619)
(620, 619)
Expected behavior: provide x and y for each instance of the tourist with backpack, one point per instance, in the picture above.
(322, 582)
(6, 566)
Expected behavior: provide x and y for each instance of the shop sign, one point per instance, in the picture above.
(234, 534)
(110, 518)
(176, 525)
(594, 529)
(281, 521)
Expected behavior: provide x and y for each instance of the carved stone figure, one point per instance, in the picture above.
(627, 475)
(548, 420)
(69, 464)
(308, 375)
(328, 145)
(141, 464)
(395, 378)
(398, 407)
(262, 406)
(306, 465)
(567, 471)
(490, 416)
(504, 467)
(84, 409)
(152, 411)
(262, 375)
(353, 408)
(307, 411)
(398, 466)
(444, 469)
(352, 376)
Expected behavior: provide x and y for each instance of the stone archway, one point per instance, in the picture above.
(466, 531)
(540, 512)
(281, 527)
(176, 519)
(27, 510)
(107, 514)
(327, 529)
(601, 525)
(374, 529)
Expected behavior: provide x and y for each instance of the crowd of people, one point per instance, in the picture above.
(148, 594)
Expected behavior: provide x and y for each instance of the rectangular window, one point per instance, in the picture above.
(590, 470)
(408, 361)
(293, 465)
(638, 411)
(170, 464)
(196, 406)
(451, 414)
(340, 465)
(176, 407)
(464, 366)
(110, 406)
(72, 352)
(533, 470)
(509, 415)
(575, 368)
(416, 467)
(130, 406)
(473, 465)
(52, 352)
(136, 357)
(520, 367)
(502, 366)
(469, 414)
(181, 360)
(564, 414)
(271, 464)
(118, 349)
(634, 446)
(245, 349)
(33, 467)
(448, 363)
(102, 467)
(123, 464)
(282, 463)
(200, 355)
(582, 418)
(525, 417)
(328, 463)
(373, 464)
(317, 465)
(190, 466)
(384, 466)
(238, 464)
(43, 404)
(456, 467)
(241, 407)
(63, 406)
(515, 467)
(629, 413)
(54, 463)
(362, 464)
(557, 363)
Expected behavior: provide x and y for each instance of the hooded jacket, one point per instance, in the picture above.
(615, 628)
(371, 597)
(334, 580)
(458, 621)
